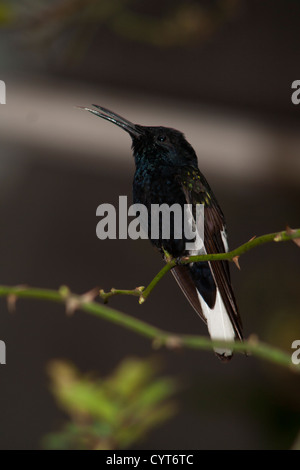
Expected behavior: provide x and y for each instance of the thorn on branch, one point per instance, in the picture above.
(11, 303)
(140, 288)
(12, 299)
(173, 342)
(90, 295)
(74, 302)
(167, 256)
(290, 231)
(71, 302)
(235, 259)
(253, 340)
(278, 237)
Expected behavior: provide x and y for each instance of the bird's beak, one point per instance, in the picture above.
(133, 129)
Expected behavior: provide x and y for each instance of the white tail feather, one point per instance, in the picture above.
(218, 322)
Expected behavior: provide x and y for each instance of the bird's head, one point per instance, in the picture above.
(154, 145)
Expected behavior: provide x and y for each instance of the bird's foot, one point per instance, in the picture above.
(181, 260)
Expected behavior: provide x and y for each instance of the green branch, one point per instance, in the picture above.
(85, 302)
(160, 337)
(233, 255)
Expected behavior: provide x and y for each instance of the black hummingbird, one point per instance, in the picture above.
(167, 172)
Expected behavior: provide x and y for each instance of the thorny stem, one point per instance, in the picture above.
(233, 255)
(160, 337)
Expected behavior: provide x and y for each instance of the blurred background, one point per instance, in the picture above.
(221, 72)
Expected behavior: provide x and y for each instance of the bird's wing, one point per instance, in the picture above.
(208, 284)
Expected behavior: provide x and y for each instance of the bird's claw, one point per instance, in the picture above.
(180, 261)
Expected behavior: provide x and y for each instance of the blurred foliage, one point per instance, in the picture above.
(111, 413)
(75, 25)
(6, 13)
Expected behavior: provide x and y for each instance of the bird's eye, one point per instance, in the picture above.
(161, 138)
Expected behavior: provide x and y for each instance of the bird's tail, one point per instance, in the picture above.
(219, 323)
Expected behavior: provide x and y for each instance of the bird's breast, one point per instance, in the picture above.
(156, 186)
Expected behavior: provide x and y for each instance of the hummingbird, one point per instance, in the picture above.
(166, 172)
